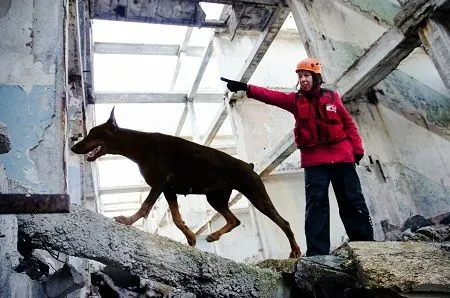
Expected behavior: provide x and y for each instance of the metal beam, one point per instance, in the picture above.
(201, 70)
(123, 189)
(217, 122)
(436, 40)
(146, 49)
(34, 203)
(259, 50)
(181, 55)
(194, 128)
(388, 51)
(182, 120)
(160, 97)
(163, 97)
(265, 40)
(276, 156)
(377, 63)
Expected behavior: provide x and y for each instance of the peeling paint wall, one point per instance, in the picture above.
(32, 98)
(31, 92)
(384, 11)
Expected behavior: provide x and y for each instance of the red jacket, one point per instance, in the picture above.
(324, 130)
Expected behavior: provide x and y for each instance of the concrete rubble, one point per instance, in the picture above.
(5, 143)
(154, 266)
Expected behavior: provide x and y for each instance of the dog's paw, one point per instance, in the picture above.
(192, 241)
(123, 220)
(212, 237)
(295, 254)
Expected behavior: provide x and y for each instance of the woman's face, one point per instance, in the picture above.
(306, 80)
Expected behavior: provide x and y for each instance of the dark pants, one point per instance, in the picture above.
(352, 207)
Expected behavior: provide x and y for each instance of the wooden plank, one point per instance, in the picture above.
(34, 203)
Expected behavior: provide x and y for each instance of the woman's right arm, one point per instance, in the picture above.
(282, 100)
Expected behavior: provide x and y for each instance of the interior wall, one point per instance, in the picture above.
(32, 94)
(32, 98)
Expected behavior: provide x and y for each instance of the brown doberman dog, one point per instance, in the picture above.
(172, 165)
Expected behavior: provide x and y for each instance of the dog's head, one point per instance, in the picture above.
(99, 140)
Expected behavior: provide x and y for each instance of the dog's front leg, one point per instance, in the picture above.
(154, 194)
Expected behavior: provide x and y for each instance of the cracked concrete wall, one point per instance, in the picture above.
(381, 11)
(32, 93)
(31, 104)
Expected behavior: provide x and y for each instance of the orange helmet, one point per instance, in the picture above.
(311, 64)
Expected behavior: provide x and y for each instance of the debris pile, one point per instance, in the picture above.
(152, 266)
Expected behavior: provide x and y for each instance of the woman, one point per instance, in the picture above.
(330, 145)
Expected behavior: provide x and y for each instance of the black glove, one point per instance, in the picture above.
(358, 158)
(234, 86)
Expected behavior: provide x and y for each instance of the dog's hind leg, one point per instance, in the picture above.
(256, 193)
(219, 201)
(171, 198)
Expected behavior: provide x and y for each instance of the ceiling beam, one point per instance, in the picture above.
(436, 40)
(377, 63)
(146, 49)
(265, 40)
(156, 97)
(388, 51)
(123, 189)
(217, 122)
(277, 155)
(182, 120)
(201, 70)
(181, 55)
(231, 2)
(259, 50)
(194, 127)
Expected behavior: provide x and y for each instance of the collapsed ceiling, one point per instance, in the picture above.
(244, 15)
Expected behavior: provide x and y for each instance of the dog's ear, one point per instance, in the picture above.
(112, 119)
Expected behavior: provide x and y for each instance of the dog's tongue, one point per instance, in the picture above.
(91, 155)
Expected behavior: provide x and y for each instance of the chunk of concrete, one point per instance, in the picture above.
(5, 143)
(411, 266)
(63, 282)
(323, 274)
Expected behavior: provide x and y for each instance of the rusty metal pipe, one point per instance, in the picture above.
(34, 203)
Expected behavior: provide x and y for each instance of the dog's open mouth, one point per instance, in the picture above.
(95, 153)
